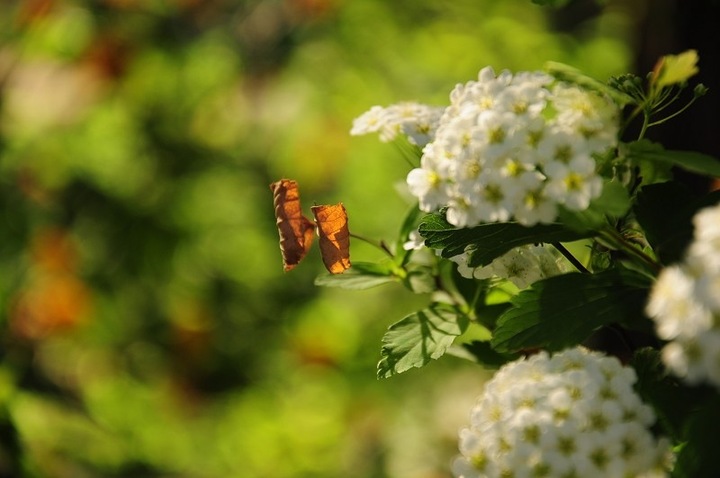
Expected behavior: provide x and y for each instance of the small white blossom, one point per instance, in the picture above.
(515, 147)
(544, 416)
(522, 265)
(415, 241)
(416, 121)
(685, 305)
(574, 184)
(507, 147)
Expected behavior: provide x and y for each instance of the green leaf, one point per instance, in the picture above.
(564, 310)
(488, 315)
(672, 402)
(362, 275)
(672, 69)
(691, 161)
(489, 241)
(420, 279)
(420, 337)
(699, 455)
(485, 355)
(613, 201)
(665, 212)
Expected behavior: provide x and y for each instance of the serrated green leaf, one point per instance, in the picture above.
(362, 275)
(665, 212)
(420, 279)
(420, 337)
(489, 241)
(691, 161)
(563, 311)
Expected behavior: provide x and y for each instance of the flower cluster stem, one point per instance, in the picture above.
(613, 237)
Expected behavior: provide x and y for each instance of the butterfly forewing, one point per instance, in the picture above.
(296, 231)
(334, 235)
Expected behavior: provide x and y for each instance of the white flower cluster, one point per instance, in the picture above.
(685, 305)
(521, 265)
(572, 414)
(416, 121)
(508, 146)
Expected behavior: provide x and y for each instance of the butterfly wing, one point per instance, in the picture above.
(334, 235)
(295, 230)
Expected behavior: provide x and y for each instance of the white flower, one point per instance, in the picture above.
(554, 416)
(672, 299)
(416, 121)
(522, 265)
(706, 245)
(514, 147)
(587, 114)
(415, 241)
(371, 121)
(427, 185)
(574, 184)
(685, 305)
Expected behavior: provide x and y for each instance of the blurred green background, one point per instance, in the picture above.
(147, 328)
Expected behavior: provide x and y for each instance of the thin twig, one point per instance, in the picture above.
(571, 258)
(380, 245)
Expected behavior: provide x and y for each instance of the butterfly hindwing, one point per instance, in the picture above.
(334, 235)
(295, 230)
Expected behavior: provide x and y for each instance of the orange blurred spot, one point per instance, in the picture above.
(33, 10)
(53, 299)
(53, 251)
(312, 9)
(50, 304)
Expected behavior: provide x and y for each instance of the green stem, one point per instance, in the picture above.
(646, 121)
(661, 121)
(613, 237)
(629, 120)
(380, 245)
(571, 258)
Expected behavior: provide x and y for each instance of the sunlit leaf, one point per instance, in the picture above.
(420, 279)
(420, 337)
(565, 310)
(362, 275)
(672, 69)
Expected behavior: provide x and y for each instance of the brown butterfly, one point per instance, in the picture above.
(297, 232)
